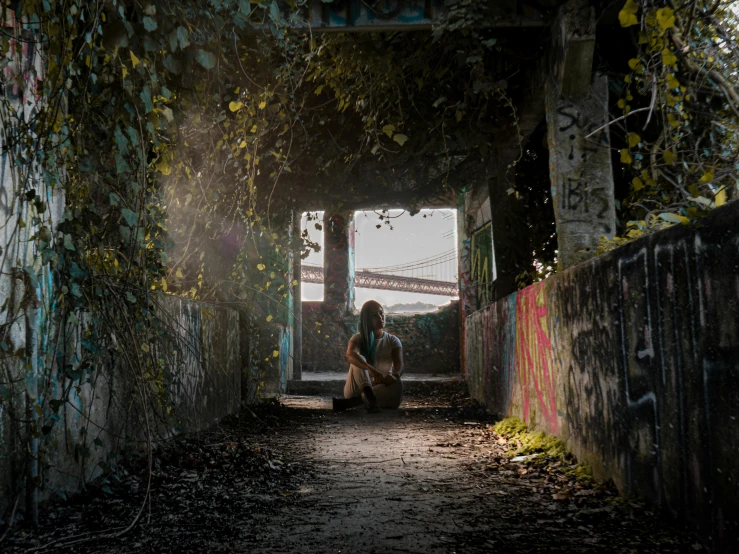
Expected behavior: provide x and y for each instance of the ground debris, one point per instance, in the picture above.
(205, 487)
(299, 478)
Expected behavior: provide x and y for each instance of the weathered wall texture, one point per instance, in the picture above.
(102, 414)
(430, 340)
(633, 359)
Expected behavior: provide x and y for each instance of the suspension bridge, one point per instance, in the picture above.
(433, 275)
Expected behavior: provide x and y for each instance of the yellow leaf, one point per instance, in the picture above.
(164, 284)
(668, 58)
(721, 197)
(633, 62)
(633, 139)
(318, 89)
(145, 347)
(400, 139)
(124, 69)
(459, 116)
(269, 318)
(275, 353)
(669, 157)
(627, 15)
(253, 129)
(625, 156)
(235, 106)
(178, 273)
(666, 18)
(674, 218)
(208, 314)
(638, 184)
(693, 190)
(295, 282)
(388, 130)
(262, 104)
(707, 176)
(621, 103)
(134, 60)
(260, 267)
(672, 82)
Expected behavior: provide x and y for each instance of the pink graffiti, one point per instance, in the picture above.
(533, 355)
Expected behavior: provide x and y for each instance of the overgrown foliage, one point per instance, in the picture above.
(680, 111)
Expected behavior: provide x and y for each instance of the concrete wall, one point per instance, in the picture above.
(430, 340)
(102, 414)
(633, 359)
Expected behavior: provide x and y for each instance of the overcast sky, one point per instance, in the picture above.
(411, 239)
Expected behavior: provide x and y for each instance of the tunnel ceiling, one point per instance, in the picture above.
(405, 119)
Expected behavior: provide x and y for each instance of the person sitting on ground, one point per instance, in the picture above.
(376, 359)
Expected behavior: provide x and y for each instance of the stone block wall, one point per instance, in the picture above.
(430, 340)
(633, 359)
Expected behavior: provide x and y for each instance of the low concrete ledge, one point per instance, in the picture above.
(332, 384)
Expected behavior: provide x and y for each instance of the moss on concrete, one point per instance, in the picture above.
(529, 442)
(537, 442)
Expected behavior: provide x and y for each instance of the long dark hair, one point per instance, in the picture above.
(366, 334)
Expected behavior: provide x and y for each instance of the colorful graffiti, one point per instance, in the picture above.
(533, 355)
(633, 359)
(23, 65)
(481, 264)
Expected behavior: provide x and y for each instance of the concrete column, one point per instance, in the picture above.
(580, 164)
(338, 261)
(297, 302)
(465, 291)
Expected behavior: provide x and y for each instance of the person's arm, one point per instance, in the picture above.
(354, 357)
(397, 361)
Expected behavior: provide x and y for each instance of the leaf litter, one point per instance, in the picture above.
(276, 479)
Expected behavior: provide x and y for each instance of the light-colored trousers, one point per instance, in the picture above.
(387, 396)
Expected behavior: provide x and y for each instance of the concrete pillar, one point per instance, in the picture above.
(338, 262)
(580, 165)
(465, 291)
(297, 301)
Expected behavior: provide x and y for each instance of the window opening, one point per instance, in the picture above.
(405, 255)
(311, 227)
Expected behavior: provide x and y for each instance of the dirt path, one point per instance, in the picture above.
(420, 480)
(428, 478)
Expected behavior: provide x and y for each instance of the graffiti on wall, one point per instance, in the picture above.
(639, 350)
(579, 199)
(534, 366)
(481, 264)
(23, 66)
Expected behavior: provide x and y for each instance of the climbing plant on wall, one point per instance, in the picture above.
(96, 97)
(680, 111)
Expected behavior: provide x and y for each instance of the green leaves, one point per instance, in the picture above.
(183, 37)
(130, 217)
(150, 24)
(206, 59)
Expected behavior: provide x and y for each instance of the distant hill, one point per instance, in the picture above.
(414, 307)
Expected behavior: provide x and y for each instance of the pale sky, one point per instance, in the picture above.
(412, 238)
